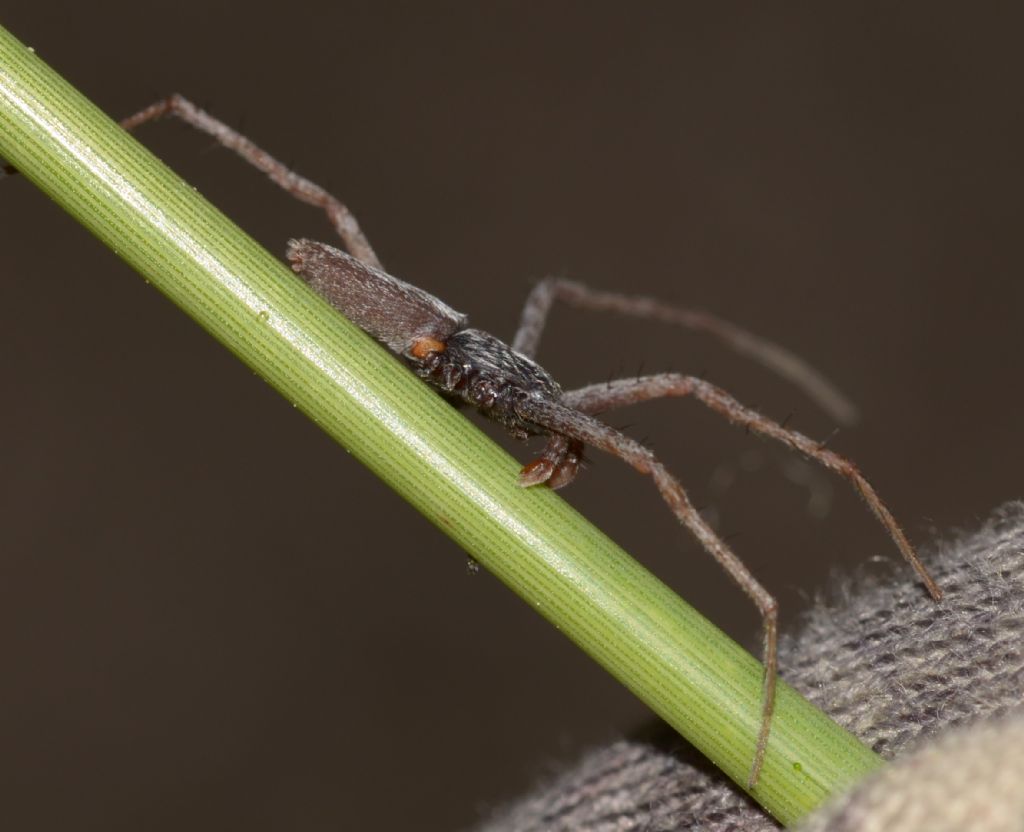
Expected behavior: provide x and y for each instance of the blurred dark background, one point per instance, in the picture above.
(200, 628)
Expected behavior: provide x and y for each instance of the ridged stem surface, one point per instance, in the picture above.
(686, 670)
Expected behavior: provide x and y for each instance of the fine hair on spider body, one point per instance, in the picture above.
(504, 382)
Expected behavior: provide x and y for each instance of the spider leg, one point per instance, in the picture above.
(575, 425)
(599, 397)
(341, 218)
(767, 353)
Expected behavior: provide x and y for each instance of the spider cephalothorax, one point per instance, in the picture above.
(475, 368)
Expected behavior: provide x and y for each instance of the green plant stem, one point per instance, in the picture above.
(687, 671)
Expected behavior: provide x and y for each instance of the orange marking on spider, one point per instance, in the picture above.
(425, 346)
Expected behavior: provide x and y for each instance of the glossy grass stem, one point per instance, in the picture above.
(687, 671)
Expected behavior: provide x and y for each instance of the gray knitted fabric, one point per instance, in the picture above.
(966, 779)
(891, 666)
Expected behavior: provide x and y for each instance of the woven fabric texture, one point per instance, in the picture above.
(934, 685)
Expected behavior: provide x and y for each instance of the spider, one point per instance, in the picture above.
(506, 384)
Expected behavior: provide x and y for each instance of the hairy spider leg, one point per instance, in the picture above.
(573, 419)
(767, 353)
(539, 302)
(575, 424)
(607, 396)
(340, 216)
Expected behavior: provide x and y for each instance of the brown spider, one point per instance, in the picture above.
(507, 385)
